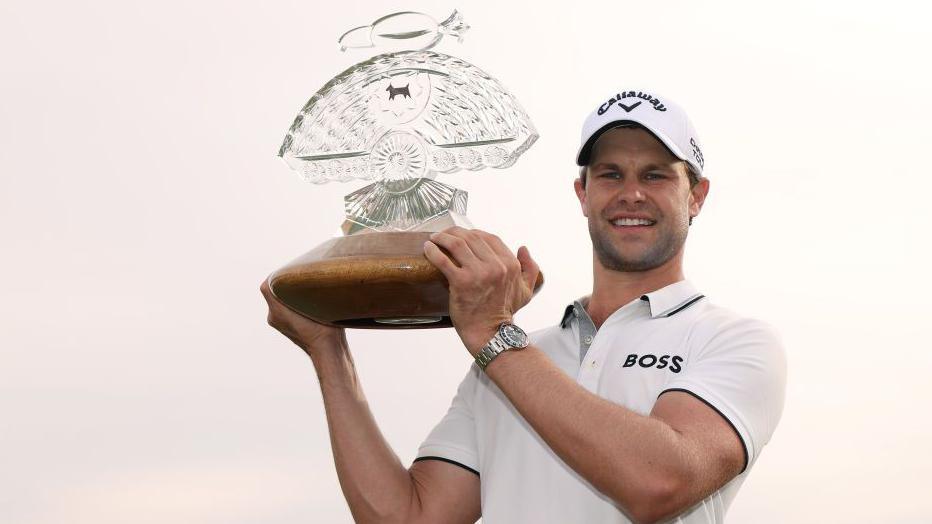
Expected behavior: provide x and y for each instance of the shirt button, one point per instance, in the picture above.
(588, 339)
(593, 364)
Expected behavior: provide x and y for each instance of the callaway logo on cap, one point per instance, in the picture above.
(660, 115)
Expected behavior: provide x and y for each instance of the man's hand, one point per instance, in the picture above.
(310, 336)
(488, 284)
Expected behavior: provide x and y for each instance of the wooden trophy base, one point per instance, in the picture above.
(371, 280)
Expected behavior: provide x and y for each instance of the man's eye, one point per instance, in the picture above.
(611, 174)
(654, 176)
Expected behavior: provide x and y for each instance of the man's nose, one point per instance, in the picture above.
(631, 192)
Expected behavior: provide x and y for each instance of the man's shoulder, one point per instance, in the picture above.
(718, 327)
(716, 317)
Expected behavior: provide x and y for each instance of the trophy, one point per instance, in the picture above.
(395, 121)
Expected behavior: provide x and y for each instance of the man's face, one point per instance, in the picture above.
(638, 200)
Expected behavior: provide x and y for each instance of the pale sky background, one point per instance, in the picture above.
(141, 204)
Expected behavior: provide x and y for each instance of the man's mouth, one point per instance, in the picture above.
(632, 222)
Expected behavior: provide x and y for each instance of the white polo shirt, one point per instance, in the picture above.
(672, 339)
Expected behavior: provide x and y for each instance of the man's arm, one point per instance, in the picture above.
(376, 485)
(653, 466)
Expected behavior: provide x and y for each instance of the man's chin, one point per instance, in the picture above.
(627, 262)
(630, 268)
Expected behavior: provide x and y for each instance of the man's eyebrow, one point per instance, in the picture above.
(605, 164)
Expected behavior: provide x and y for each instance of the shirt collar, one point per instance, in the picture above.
(672, 299)
(576, 309)
(664, 302)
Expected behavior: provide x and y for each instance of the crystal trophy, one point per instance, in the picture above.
(395, 121)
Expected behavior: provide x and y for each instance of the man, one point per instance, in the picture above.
(645, 402)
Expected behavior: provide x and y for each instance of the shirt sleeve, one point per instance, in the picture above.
(453, 439)
(740, 371)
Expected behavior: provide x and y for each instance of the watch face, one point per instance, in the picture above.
(514, 336)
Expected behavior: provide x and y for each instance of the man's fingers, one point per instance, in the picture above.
(271, 300)
(269, 296)
(479, 243)
(456, 246)
(529, 268)
(440, 259)
(277, 309)
(498, 246)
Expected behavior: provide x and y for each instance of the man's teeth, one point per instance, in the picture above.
(632, 222)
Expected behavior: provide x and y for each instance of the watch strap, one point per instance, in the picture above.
(491, 350)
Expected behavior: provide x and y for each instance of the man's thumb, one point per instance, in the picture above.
(529, 269)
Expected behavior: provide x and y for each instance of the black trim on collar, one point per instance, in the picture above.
(569, 309)
(455, 463)
(676, 309)
(684, 306)
(566, 316)
(744, 446)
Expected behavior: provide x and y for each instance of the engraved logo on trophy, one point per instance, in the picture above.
(395, 121)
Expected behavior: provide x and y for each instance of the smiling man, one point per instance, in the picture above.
(645, 402)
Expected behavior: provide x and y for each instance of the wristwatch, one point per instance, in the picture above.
(509, 337)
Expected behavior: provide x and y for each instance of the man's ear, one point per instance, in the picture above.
(581, 195)
(697, 196)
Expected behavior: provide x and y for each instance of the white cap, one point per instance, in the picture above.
(660, 115)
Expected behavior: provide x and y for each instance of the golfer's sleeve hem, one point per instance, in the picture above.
(741, 436)
(448, 461)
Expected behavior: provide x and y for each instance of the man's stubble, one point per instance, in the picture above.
(671, 238)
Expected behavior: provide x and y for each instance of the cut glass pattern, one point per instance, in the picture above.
(378, 207)
(398, 119)
(440, 101)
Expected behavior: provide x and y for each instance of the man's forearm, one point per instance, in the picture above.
(630, 457)
(376, 485)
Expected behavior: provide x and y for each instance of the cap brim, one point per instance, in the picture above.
(582, 157)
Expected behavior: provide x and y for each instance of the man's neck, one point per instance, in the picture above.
(613, 289)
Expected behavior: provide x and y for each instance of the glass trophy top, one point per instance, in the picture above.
(402, 117)
(404, 31)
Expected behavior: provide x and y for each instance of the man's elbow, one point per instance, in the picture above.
(656, 500)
